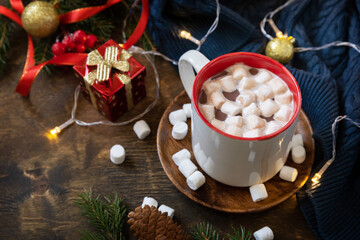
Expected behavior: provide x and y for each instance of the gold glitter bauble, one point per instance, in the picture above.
(40, 19)
(280, 49)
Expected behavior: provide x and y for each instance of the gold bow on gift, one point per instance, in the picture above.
(104, 65)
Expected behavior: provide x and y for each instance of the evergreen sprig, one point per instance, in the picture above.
(106, 217)
(205, 231)
(6, 28)
(240, 234)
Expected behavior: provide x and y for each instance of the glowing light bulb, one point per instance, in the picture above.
(315, 179)
(187, 35)
(53, 133)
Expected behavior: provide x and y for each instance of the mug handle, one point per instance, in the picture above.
(188, 62)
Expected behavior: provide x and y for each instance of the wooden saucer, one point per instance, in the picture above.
(220, 196)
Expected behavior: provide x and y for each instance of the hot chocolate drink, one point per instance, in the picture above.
(246, 102)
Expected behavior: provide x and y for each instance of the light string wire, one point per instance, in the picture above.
(316, 178)
(271, 14)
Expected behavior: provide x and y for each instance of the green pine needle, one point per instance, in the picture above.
(204, 231)
(6, 28)
(240, 234)
(106, 217)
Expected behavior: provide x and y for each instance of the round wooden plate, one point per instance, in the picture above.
(219, 196)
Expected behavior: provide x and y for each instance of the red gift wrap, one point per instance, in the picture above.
(112, 80)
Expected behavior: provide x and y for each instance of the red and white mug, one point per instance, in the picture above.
(236, 161)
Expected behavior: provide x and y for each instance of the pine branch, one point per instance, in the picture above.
(6, 28)
(107, 218)
(43, 52)
(240, 234)
(204, 231)
(86, 235)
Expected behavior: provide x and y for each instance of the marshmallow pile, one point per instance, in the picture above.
(194, 178)
(151, 202)
(178, 120)
(246, 102)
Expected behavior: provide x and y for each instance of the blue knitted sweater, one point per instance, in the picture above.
(329, 82)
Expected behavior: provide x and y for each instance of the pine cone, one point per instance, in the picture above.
(149, 224)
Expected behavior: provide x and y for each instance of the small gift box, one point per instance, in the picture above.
(112, 80)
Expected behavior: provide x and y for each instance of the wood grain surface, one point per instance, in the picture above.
(220, 196)
(39, 178)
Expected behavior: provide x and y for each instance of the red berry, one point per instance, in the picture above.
(79, 36)
(80, 48)
(90, 41)
(68, 43)
(58, 48)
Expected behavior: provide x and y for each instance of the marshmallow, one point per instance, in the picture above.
(272, 127)
(218, 124)
(179, 130)
(288, 173)
(234, 120)
(268, 108)
(239, 72)
(264, 92)
(141, 129)
(187, 109)
(297, 140)
(228, 84)
(150, 202)
(165, 209)
(263, 77)
(252, 109)
(277, 85)
(177, 116)
(211, 86)
(283, 114)
(187, 167)
(298, 154)
(179, 156)
(247, 83)
(208, 111)
(264, 233)
(253, 121)
(284, 98)
(258, 192)
(230, 108)
(245, 98)
(217, 99)
(117, 154)
(233, 130)
(195, 180)
(252, 133)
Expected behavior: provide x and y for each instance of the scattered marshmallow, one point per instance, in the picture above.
(245, 98)
(252, 133)
(230, 108)
(179, 130)
(285, 98)
(165, 209)
(228, 84)
(117, 154)
(283, 114)
(258, 192)
(297, 140)
(271, 127)
(150, 202)
(264, 92)
(233, 130)
(218, 124)
(264, 233)
(195, 180)
(268, 108)
(217, 99)
(277, 85)
(177, 116)
(262, 77)
(187, 167)
(208, 111)
(247, 83)
(211, 86)
(239, 72)
(234, 120)
(252, 109)
(141, 129)
(187, 109)
(253, 121)
(288, 173)
(179, 156)
(298, 154)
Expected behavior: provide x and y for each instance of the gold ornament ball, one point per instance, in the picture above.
(280, 49)
(40, 19)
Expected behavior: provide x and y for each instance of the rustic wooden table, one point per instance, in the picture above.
(39, 178)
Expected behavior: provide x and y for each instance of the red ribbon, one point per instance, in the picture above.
(30, 71)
